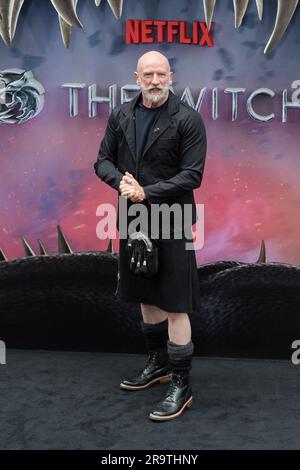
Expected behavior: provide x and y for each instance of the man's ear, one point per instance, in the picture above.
(136, 76)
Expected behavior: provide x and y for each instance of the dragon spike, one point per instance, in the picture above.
(97, 2)
(240, 7)
(2, 256)
(110, 247)
(260, 8)
(67, 10)
(262, 253)
(285, 11)
(209, 6)
(27, 248)
(42, 248)
(6, 7)
(65, 30)
(15, 16)
(116, 6)
(63, 245)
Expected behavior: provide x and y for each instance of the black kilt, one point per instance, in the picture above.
(174, 288)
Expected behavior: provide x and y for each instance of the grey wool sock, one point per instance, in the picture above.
(180, 356)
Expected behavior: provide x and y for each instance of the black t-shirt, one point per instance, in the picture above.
(145, 119)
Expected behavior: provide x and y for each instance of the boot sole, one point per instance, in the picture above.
(187, 404)
(162, 379)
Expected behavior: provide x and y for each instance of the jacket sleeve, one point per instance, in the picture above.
(106, 164)
(192, 159)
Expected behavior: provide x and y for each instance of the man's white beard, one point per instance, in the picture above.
(155, 97)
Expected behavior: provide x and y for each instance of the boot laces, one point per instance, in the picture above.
(152, 357)
(176, 382)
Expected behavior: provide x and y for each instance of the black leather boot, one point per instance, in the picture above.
(179, 394)
(157, 369)
(177, 399)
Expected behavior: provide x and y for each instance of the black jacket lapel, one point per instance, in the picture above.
(128, 123)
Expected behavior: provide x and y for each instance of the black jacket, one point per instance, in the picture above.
(172, 162)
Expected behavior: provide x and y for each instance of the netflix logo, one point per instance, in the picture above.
(149, 31)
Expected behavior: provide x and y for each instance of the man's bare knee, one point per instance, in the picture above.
(152, 313)
(175, 317)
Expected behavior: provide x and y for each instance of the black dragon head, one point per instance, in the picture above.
(67, 301)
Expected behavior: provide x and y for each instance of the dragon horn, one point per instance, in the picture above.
(260, 7)
(262, 253)
(65, 30)
(15, 16)
(63, 245)
(110, 248)
(42, 248)
(2, 256)
(209, 6)
(27, 248)
(116, 6)
(240, 7)
(67, 10)
(285, 11)
(6, 7)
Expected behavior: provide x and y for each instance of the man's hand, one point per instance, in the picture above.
(131, 189)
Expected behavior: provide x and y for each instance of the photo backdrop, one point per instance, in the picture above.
(250, 188)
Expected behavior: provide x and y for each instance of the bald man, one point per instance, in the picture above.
(153, 153)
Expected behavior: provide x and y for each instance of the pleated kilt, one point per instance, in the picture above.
(174, 288)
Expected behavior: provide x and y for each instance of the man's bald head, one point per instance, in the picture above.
(152, 58)
(154, 77)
